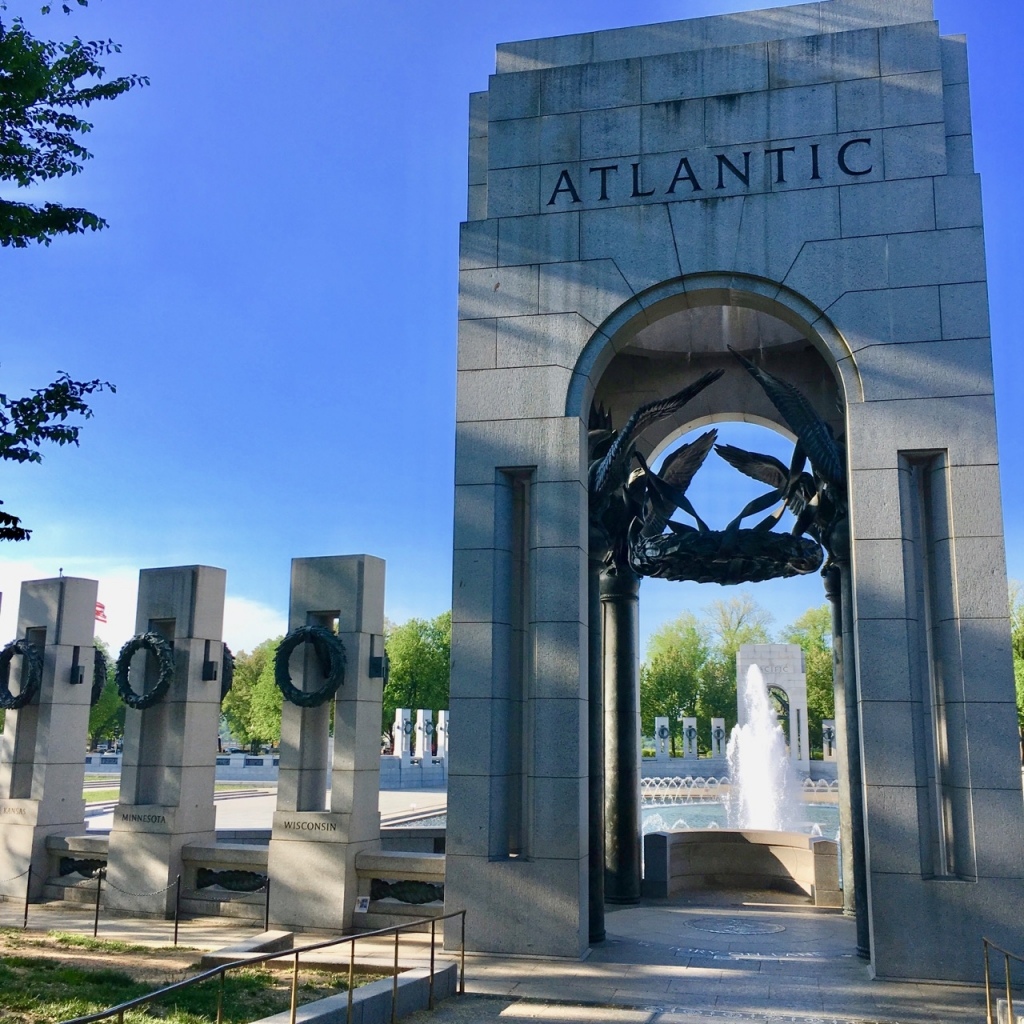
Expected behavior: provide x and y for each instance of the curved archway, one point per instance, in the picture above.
(699, 291)
(653, 346)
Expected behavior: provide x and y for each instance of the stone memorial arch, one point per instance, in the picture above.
(796, 184)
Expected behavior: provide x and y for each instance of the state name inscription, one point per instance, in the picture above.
(309, 826)
(705, 173)
(149, 819)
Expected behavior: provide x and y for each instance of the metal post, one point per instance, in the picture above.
(220, 999)
(177, 907)
(351, 976)
(295, 988)
(1009, 993)
(430, 993)
(96, 919)
(394, 986)
(462, 968)
(28, 886)
(266, 908)
(988, 985)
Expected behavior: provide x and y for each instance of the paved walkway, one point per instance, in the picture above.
(759, 958)
(766, 960)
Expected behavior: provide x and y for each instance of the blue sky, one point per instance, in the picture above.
(275, 297)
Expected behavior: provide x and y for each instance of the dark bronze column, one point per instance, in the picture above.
(839, 591)
(595, 789)
(620, 633)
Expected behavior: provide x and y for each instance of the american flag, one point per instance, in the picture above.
(101, 612)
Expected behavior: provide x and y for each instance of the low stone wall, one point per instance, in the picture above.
(371, 1004)
(676, 862)
(231, 861)
(71, 861)
(397, 873)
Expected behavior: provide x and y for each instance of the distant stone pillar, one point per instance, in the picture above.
(828, 739)
(442, 738)
(689, 730)
(620, 628)
(312, 857)
(662, 739)
(718, 737)
(424, 737)
(782, 668)
(170, 749)
(42, 762)
(403, 736)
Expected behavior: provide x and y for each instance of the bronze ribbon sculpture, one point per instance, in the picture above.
(631, 508)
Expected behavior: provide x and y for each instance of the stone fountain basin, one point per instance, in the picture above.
(720, 858)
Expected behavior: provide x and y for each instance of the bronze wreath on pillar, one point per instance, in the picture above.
(227, 675)
(330, 652)
(31, 677)
(164, 653)
(99, 676)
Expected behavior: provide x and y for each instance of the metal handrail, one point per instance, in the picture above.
(120, 1010)
(1007, 957)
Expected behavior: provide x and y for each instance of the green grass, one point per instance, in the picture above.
(41, 990)
(95, 796)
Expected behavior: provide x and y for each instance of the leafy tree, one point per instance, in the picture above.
(267, 703)
(740, 620)
(716, 698)
(43, 87)
(27, 423)
(106, 717)
(813, 632)
(731, 624)
(252, 707)
(420, 655)
(670, 679)
(1017, 640)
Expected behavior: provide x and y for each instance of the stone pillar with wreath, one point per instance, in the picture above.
(333, 656)
(171, 675)
(46, 680)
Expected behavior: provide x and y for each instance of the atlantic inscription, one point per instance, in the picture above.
(712, 172)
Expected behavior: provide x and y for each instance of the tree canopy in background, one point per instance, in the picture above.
(419, 652)
(1017, 639)
(106, 716)
(420, 655)
(252, 708)
(690, 668)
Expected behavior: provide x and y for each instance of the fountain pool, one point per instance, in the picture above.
(661, 816)
(814, 818)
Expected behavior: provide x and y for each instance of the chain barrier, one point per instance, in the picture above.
(155, 892)
(238, 898)
(5, 896)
